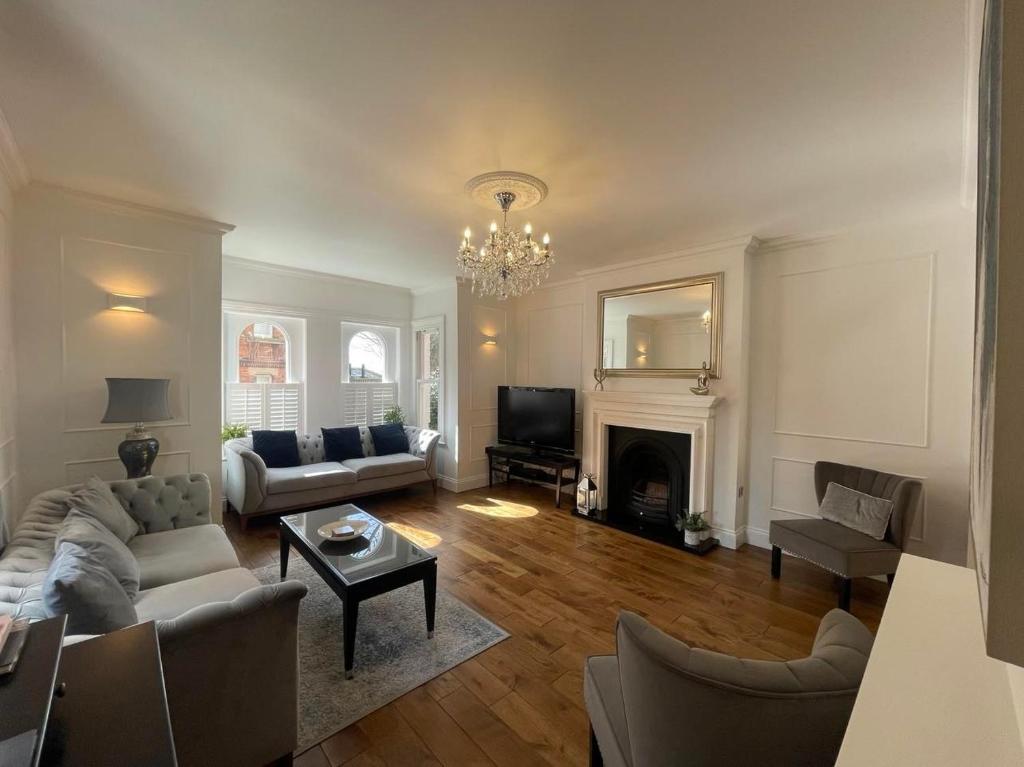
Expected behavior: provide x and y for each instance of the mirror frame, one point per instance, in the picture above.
(716, 280)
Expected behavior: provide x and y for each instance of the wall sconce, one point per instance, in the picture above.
(121, 302)
(490, 340)
(705, 320)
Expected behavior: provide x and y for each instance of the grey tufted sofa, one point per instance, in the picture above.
(253, 489)
(228, 643)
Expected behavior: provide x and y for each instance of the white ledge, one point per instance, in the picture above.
(672, 399)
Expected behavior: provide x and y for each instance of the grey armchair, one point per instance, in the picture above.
(661, 703)
(845, 552)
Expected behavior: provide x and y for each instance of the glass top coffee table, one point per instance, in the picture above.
(378, 561)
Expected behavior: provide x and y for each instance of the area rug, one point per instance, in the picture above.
(393, 654)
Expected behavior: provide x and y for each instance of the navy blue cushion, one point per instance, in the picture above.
(389, 439)
(342, 443)
(278, 449)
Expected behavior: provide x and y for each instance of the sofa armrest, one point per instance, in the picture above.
(232, 667)
(423, 444)
(246, 487)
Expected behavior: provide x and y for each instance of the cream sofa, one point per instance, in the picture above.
(227, 642)
(253, 489)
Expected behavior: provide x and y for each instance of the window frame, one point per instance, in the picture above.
(436, 323)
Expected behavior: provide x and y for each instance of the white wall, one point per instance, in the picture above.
(71, 249)
(861, 352)
(8, 378)
(324, 302)
(443, 301)
(482, 368)
(557, 345)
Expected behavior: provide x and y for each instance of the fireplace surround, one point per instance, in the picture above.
(668, 415)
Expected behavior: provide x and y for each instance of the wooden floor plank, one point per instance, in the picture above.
(557, 584)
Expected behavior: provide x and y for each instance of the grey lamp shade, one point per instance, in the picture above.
(137, 400)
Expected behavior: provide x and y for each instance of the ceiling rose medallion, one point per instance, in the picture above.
(509, 263)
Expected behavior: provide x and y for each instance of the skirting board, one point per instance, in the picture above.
(464, 484)
(731, 539)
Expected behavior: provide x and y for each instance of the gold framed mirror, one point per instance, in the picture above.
(667, 329)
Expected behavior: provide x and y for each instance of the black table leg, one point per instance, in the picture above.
(558, 489)
(490, 471)
(430, 597)
(283, 537)
(350, 617)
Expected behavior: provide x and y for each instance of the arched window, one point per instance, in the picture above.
(262, 354)
(367, 358)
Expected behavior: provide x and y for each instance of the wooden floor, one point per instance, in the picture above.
(556, 584)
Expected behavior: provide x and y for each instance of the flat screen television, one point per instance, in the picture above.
(539, 418)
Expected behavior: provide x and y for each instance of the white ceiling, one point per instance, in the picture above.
(337, 135)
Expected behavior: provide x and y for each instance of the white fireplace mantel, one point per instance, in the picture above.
(691, 414)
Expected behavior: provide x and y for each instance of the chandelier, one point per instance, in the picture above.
(510, 262)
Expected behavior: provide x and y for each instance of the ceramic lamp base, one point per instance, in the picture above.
(138, 455)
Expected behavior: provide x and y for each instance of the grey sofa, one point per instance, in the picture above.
(253, 489)
(848, 553)
(661, 703)
(228, 644)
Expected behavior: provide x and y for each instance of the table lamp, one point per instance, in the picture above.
(137, 400)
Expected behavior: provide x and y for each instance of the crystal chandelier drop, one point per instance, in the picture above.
(510, 262)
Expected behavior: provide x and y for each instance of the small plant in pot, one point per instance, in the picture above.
(705, 529)
(692, 525)
(394, 414)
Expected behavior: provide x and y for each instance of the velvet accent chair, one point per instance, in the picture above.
(660, 703)
(848, 553)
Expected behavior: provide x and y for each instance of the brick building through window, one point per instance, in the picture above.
(262, 354)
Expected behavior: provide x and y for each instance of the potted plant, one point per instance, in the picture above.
(233, 431)
(691, 528)
(394, 415)
(705, 529)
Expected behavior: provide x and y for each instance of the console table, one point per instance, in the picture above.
(522, 463)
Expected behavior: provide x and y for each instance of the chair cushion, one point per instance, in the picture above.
(834, 547)
(312, 476)
(96, 499)
(278, 449)
(378, 466)
(389, 438)
(79, 586)
(173, 599)
(89, 533)
(177, 555)
(855, 510)
(342, 443)
(602, 694)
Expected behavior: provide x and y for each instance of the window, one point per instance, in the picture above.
(262, 354)
(369, 372)
(428, 365)
(367, 357)
(261, 390)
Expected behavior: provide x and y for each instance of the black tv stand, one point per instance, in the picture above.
(532, 465)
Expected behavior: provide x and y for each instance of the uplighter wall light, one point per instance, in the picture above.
(490, 340)
(121, 302)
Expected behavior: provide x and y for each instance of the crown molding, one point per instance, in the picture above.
(135, 209)
(433, 287)
(746, 242)
(793, 241)
(294, 271)
(12, 165)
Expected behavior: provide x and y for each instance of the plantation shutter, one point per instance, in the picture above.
(244, 404)
(364, 404)
(284, 404)
(264, 406)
